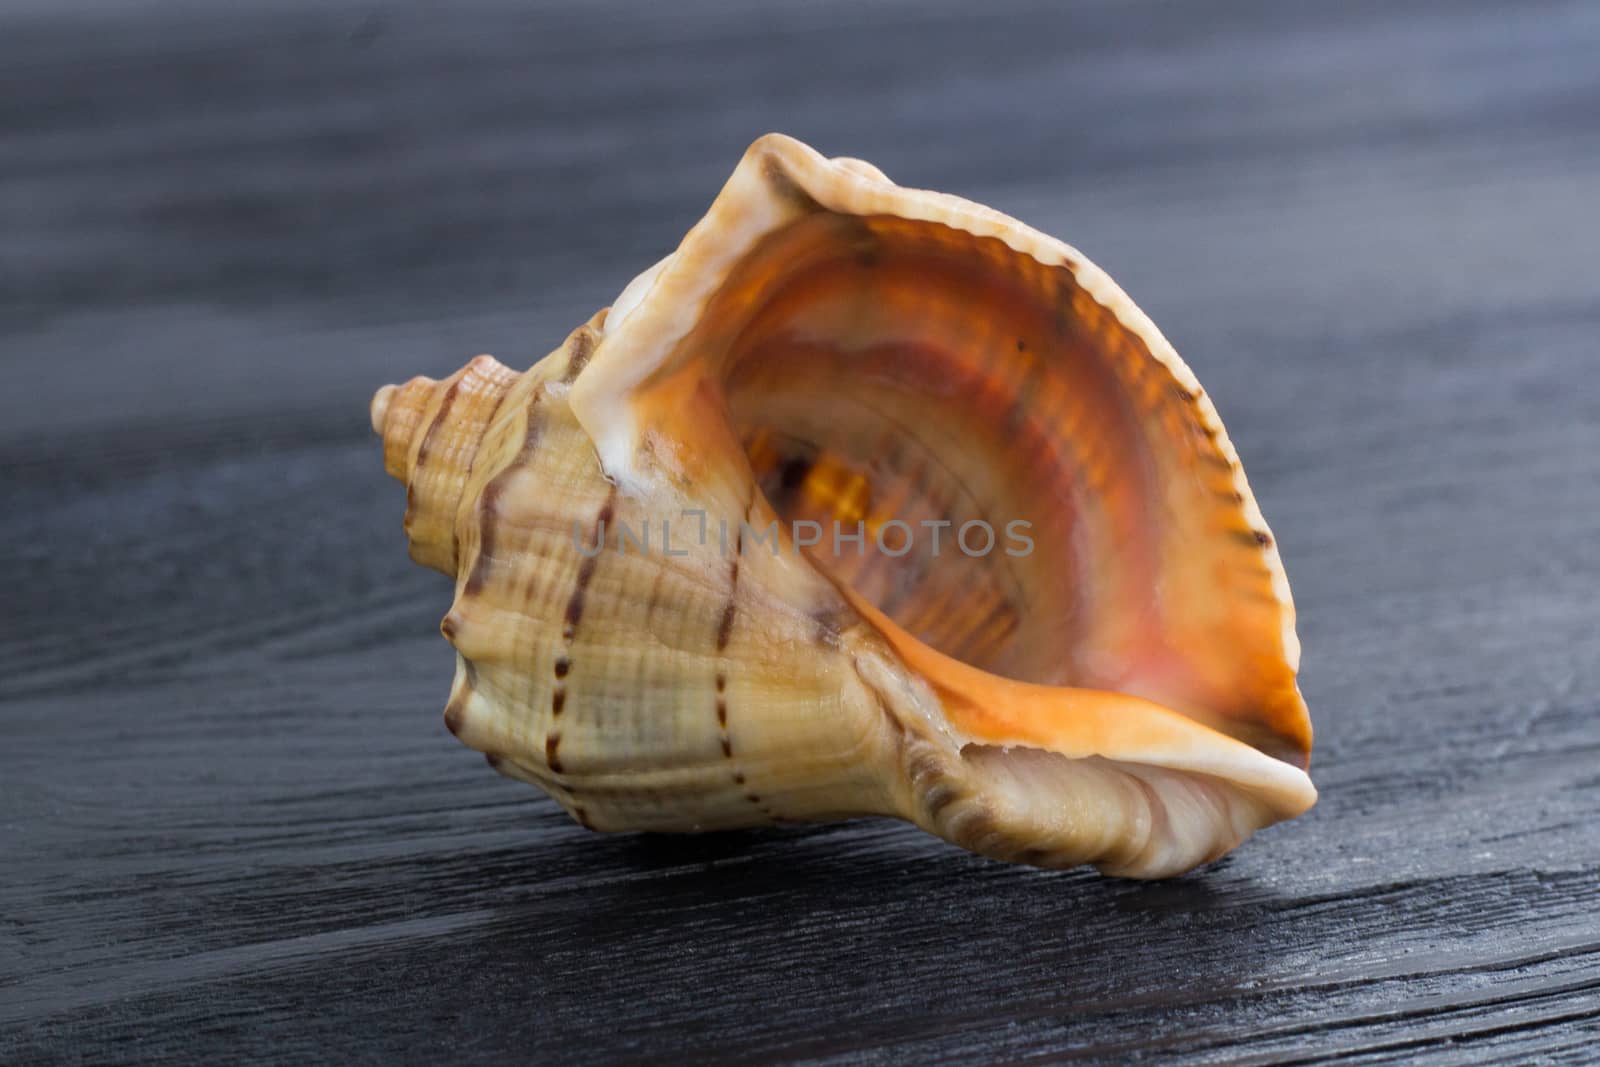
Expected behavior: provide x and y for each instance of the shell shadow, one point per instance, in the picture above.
(869, 921)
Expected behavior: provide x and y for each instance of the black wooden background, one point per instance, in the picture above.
(232, 825)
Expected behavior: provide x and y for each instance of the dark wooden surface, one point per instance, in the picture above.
(232, 825)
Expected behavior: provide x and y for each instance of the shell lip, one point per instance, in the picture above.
(989, 710)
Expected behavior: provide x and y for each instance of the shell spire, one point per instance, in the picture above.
(431, 434)
(1050, 624)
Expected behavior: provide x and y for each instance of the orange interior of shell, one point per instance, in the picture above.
(1036, 496)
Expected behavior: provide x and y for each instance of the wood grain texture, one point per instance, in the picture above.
(232, 825)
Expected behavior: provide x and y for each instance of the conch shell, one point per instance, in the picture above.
(658, 624)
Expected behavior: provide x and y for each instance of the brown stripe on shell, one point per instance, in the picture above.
(481, 563)
(579, 348)
(1253, 538)
(725, 628)
(586, 569)
(446, 402)
(857, 238)
(455, 533)
(730, 611)
(478, 576)
(829, 623)
(574, 615)
(786, 188)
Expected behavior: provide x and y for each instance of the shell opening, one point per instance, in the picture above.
(987, 454)
(888, 385)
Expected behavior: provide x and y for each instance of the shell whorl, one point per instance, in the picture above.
(432, 431)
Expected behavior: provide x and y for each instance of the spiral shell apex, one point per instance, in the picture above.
(864, 501)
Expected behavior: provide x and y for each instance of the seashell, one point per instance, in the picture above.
(647, 632)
